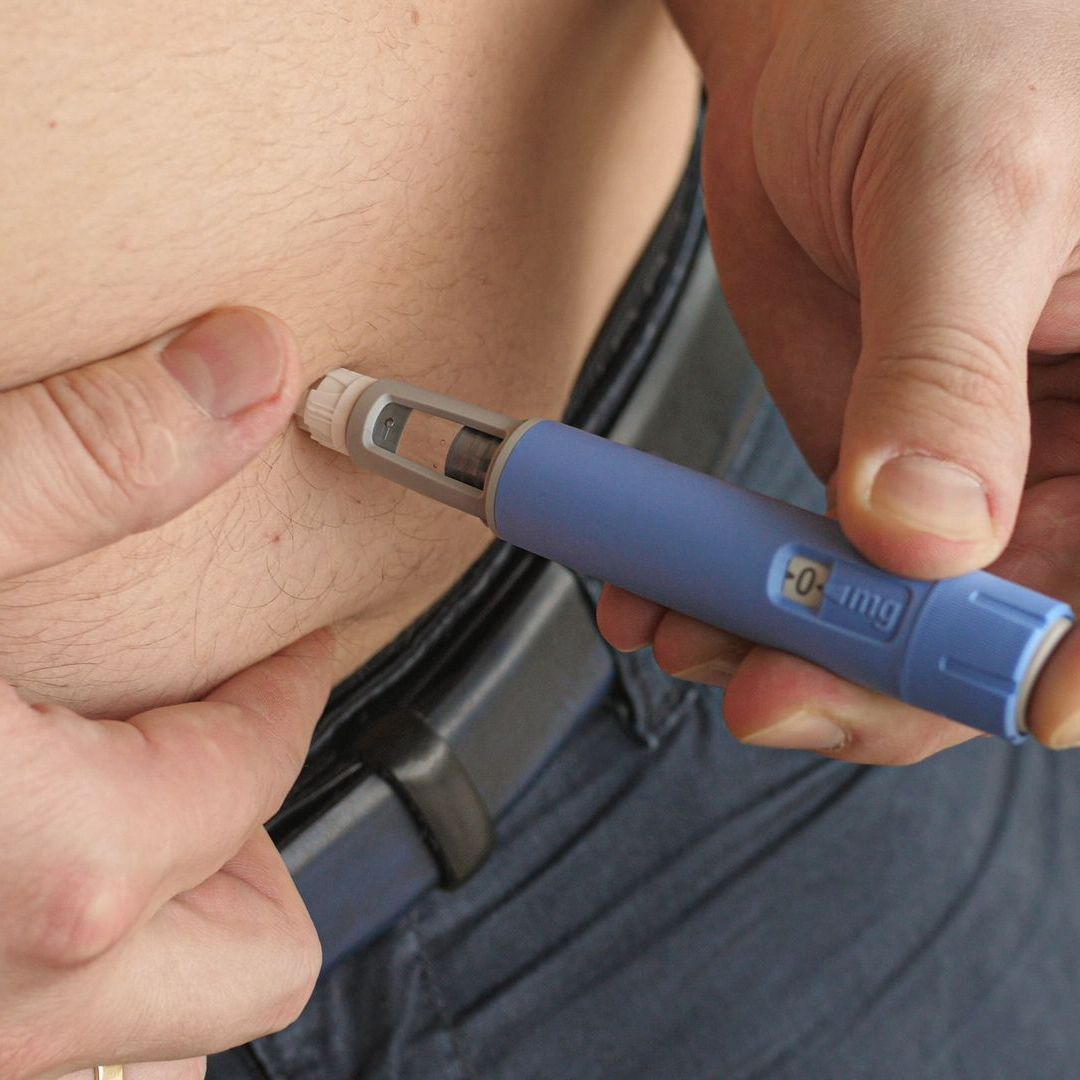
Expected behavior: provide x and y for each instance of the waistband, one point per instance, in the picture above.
(422, 748)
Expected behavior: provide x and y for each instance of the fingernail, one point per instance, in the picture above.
(805, 731)
(933, 496)
(227, 362)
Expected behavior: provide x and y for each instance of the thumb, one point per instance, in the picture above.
(124, 444)
(955, 265)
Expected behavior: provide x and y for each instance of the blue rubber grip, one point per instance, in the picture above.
(774, 574)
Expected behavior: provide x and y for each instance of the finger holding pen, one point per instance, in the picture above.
(893, 206)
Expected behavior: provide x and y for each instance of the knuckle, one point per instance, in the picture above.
(949, 365)
(1009, 151)
(85, 914)
(1018, 165)
(123, 452)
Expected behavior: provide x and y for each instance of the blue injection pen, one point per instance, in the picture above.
(969, 648)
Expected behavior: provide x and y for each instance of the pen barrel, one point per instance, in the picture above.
(968, 648)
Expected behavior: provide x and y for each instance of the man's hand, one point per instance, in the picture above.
(894, 202)
(146, 914)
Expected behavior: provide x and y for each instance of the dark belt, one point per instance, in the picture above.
(431, 741)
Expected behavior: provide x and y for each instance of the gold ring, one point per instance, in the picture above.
(108, 1072)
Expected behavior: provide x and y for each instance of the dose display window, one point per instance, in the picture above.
(804, 582)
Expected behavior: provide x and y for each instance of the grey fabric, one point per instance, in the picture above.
(697, 908)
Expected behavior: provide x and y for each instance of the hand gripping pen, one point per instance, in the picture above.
(970, 648)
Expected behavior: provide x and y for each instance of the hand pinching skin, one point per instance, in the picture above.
(147, 915)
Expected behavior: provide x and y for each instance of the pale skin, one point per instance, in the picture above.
(891, 298)
(449, 192)
(147, 913)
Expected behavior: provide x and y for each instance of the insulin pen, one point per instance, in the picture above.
(969, 648)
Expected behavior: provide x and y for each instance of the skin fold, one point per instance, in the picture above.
(443, 192)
